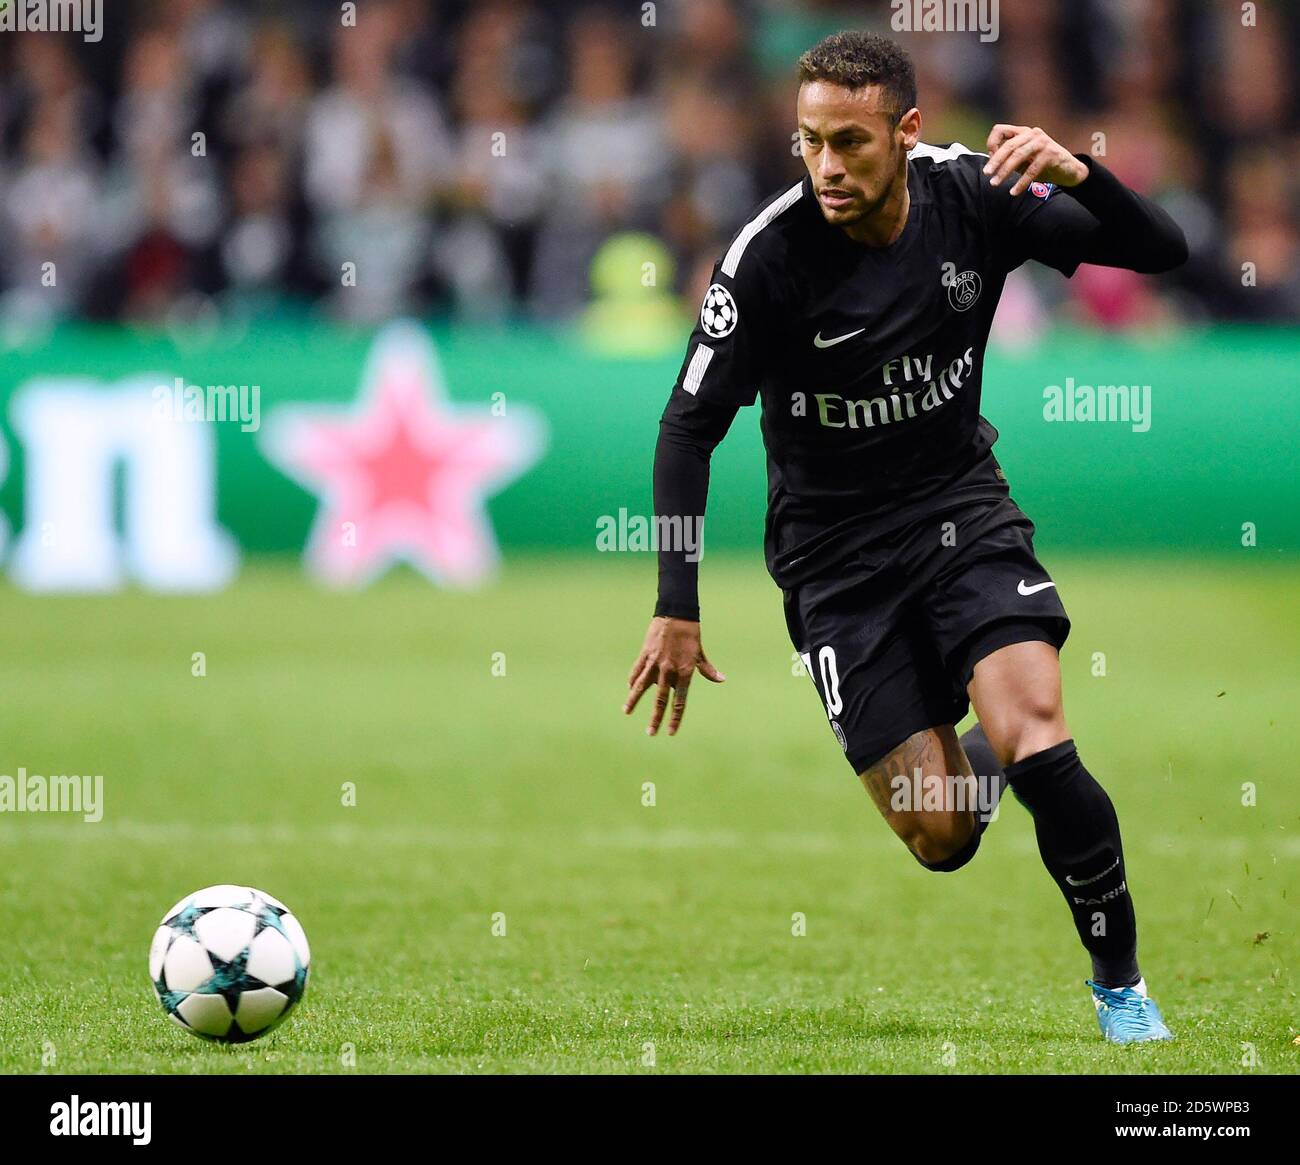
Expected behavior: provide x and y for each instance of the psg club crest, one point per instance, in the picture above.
(964, 290)
(718, 315)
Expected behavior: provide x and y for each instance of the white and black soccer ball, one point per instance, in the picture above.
(229, 963)
(718, 315)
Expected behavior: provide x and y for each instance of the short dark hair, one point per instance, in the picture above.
(858, 59)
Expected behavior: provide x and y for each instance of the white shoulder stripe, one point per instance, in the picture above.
(696, 368)
(941, 153)
(782, 204)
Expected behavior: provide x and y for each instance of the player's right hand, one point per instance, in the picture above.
(670, 655)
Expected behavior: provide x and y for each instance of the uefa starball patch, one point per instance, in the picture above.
(718, 315)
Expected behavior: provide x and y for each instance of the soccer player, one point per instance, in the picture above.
(858, 304)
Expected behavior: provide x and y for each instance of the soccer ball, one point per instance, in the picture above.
(228, 963)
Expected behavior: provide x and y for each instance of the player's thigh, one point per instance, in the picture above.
(1016, 691)
(879, 681)
(993, 578)
(925, 790)
(995, 612)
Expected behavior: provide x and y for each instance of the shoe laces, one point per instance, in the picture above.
(1127, 1007)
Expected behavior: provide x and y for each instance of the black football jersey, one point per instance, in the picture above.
(869, 360)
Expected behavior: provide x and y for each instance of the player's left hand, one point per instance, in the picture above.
(1036, 156)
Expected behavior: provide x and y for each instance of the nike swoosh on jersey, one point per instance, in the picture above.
(818, 342)
(1024, 590)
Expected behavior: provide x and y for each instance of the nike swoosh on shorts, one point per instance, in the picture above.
(1026, 590)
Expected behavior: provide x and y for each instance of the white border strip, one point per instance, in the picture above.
(697, 367)
(787, 200)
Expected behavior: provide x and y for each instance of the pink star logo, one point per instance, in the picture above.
(403, 475)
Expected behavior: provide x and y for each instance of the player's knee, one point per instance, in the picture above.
(1036, 722)
(944, 843)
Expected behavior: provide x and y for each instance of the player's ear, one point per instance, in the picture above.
(909, 128)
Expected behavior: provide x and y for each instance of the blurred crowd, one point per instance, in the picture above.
(484, 160)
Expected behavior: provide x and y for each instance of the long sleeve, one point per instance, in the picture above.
(719, 375)
(1099, 221)
(681, 489)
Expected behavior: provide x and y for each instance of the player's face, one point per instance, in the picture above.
(854, 146)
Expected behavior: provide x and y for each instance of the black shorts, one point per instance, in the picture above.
(891, 640)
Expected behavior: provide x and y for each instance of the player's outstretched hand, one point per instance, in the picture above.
(1036, 156)
(669, 657)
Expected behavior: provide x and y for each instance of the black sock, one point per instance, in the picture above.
(1078, 838)
(985, 766)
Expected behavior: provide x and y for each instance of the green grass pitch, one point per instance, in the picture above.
(637, 939)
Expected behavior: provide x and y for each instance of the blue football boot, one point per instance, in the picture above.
(1128, 1015)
